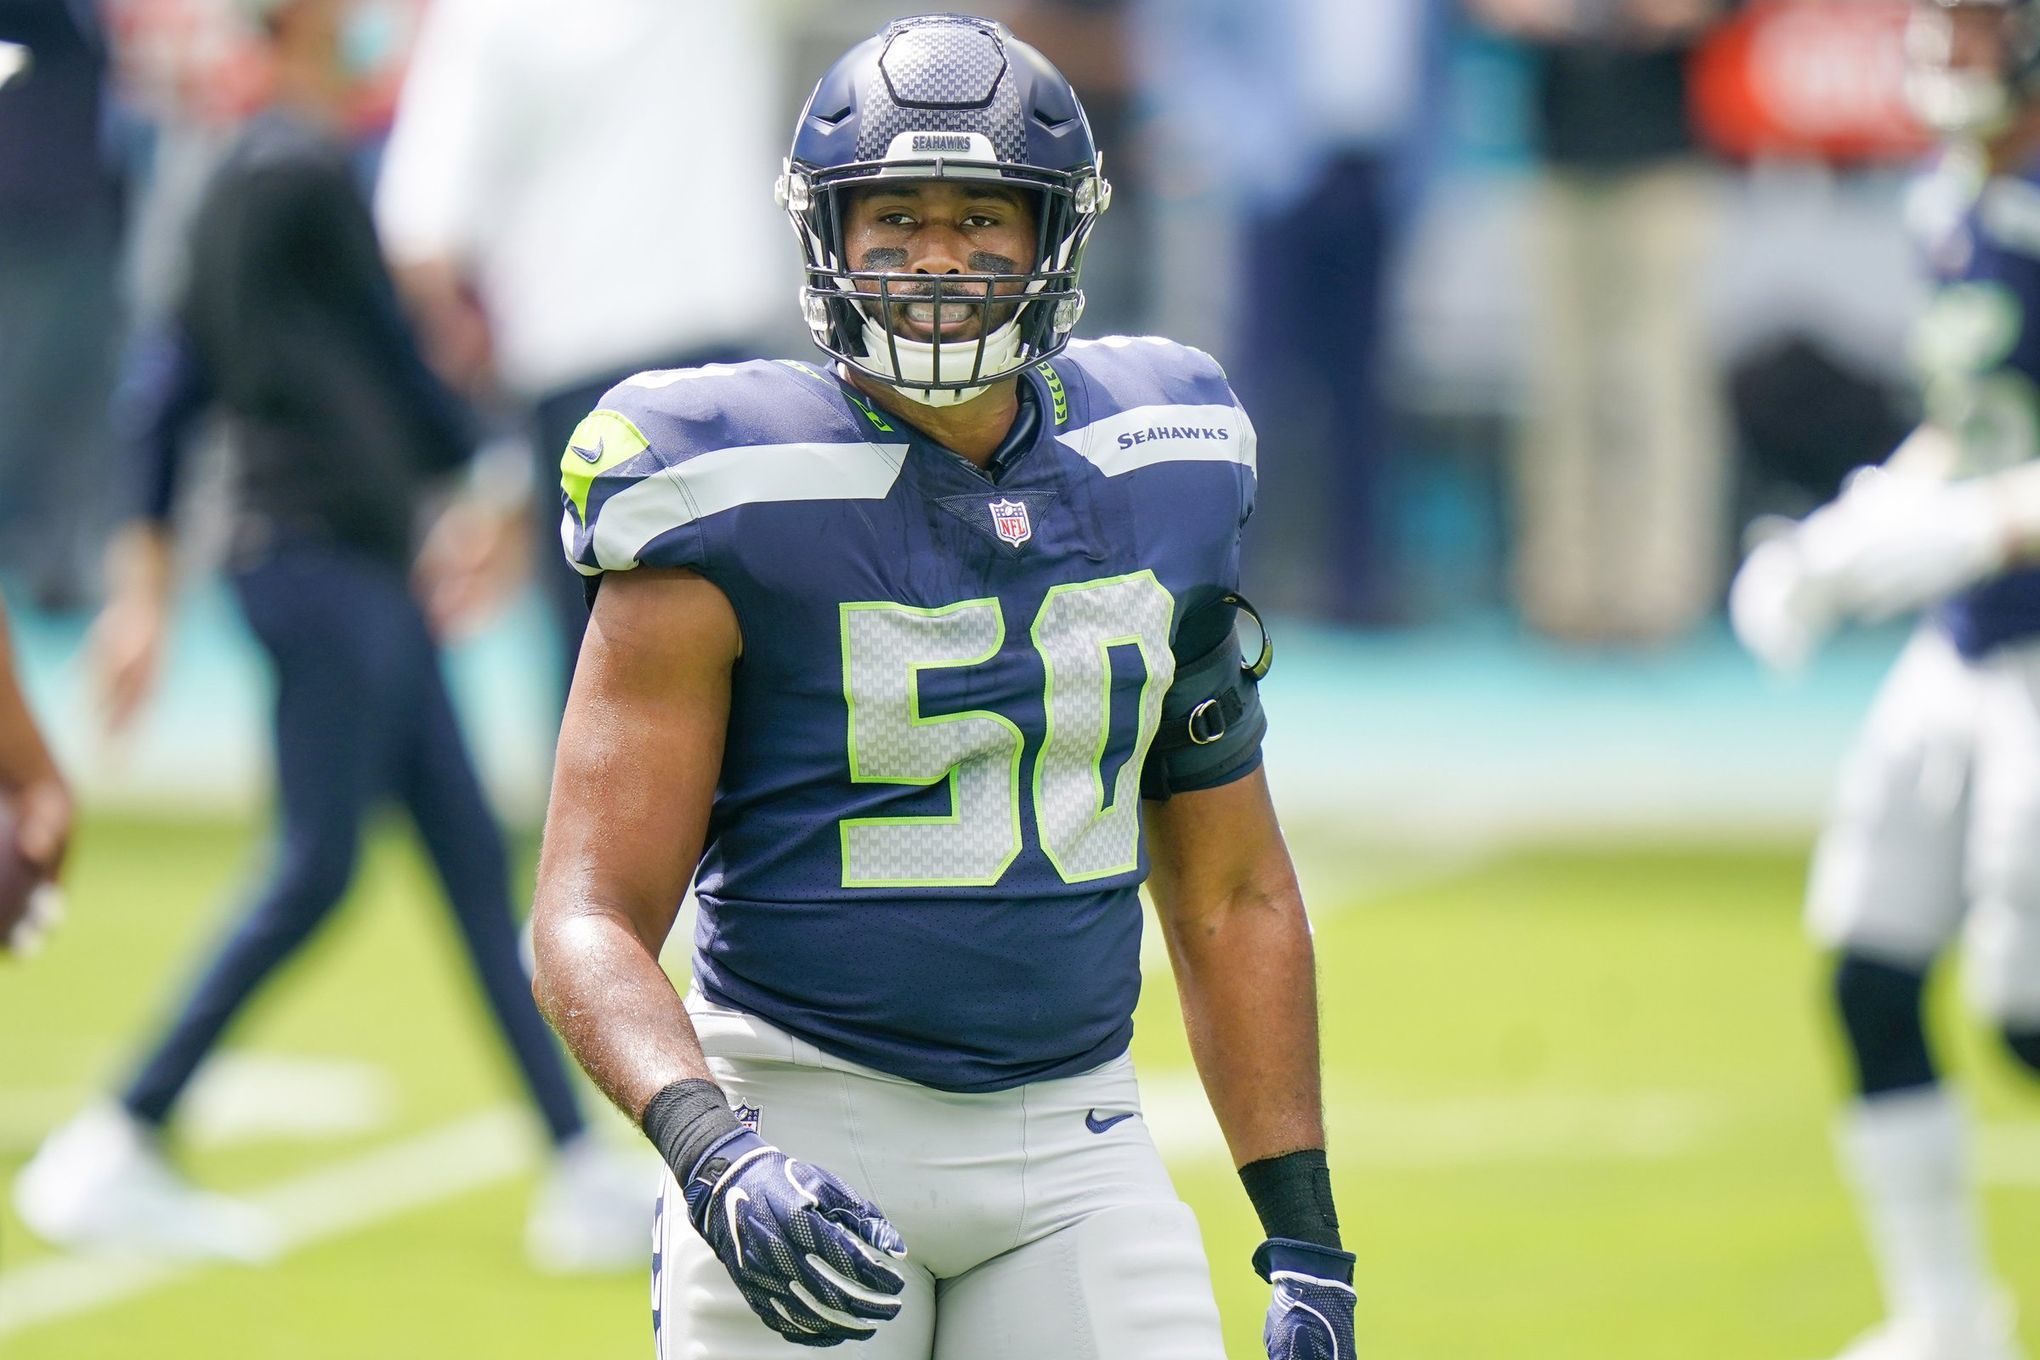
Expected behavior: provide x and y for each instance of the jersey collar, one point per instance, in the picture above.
(1025, 433)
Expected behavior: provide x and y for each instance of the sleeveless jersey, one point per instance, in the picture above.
(925, 847)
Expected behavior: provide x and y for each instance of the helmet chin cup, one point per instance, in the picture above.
(906, 365)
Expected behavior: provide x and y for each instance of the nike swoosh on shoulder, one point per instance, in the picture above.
(1097, 1125)
(593, 455)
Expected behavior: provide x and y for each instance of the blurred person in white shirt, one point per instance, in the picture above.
(572, 193)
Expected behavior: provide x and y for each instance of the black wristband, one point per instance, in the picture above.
(685, 1120)
(1293, 1196)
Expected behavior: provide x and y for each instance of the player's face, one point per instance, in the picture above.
(941, 229)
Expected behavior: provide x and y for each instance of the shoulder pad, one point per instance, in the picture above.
(668, 449)
(1150, 400)
(1150, 368)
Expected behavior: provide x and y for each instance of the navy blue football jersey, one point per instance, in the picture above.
(1978, 346)
(925, 847)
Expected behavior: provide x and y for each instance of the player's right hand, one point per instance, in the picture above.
(813, 1258)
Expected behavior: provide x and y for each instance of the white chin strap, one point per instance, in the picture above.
(1959, 103)
(994, 353)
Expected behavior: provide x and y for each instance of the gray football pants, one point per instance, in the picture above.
(1935, 833)
(1029, 1236)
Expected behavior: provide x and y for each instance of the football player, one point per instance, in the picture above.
(920, 662)
(1935, 830)
(37, 820)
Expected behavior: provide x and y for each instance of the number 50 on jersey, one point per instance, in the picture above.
(1087, 831)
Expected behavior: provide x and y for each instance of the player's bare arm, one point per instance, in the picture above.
(639, 751)
(1232, 913)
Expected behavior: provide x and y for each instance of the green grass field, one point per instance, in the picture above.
(1579, 1102)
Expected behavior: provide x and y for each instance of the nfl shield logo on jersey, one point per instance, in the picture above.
(747, 1115)
(1009, 520)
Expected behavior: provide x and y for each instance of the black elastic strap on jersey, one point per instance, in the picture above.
(1212, 723)
(1292, 1194)
(1882, 1008)
(2024, 1044)
(687, 1119)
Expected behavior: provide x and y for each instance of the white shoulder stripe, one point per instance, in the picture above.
(727, 478)
(1145, 435)
(656, 378)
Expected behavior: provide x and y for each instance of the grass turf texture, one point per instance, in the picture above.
(1580, 1102)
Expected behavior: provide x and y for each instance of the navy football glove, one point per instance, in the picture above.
(811, 1256)
(1311, 1317)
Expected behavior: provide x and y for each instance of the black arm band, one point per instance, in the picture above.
(685, 1120)
(1293, 1196)
(1212, 723)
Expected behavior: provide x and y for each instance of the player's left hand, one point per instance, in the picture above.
(1311, 1316)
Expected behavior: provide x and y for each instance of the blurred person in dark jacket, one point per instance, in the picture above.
(59, 244)
(289, 327)
(1622, 471)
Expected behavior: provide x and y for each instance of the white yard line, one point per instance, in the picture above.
(345, 1197)
(1402, 1134)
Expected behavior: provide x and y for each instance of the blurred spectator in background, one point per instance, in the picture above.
(576, 193)
(1307, 112)
(290, 324)
(1622, 474)
(1088, 40)
(59, 240)
(36, 804)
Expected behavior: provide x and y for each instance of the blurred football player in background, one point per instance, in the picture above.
(35, 815)
(289, 325)
(1000, 565)
(1936, 829)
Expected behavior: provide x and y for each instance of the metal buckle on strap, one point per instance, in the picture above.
(1206, 723)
